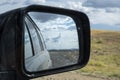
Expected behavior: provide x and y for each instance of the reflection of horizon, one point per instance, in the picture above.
(72, 49)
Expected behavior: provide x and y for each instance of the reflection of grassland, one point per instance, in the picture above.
(105, 54)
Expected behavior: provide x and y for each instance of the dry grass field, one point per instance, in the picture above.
(105, 54)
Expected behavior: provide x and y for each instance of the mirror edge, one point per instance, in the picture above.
(85, 33)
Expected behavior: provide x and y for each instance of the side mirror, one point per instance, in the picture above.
(49, 40)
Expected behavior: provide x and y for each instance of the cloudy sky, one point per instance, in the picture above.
(103, 14)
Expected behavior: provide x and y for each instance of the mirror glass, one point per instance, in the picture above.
(50, 41)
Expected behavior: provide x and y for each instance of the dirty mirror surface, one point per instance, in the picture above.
(50, 41)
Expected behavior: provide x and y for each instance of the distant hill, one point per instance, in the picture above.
(105, 27)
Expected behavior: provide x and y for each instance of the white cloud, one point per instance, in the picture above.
(112, 10)
(102, 3)
(6, 2)
(38, 1)
(107, 15)
(102, 17)
(28, 2)
(6, 5)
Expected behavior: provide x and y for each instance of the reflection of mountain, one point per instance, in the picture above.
(71, 28)
(55, 39)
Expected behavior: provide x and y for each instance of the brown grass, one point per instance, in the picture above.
(105, 54)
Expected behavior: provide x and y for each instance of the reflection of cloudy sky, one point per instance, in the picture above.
(47, 19)
(103, 14)
(59, 31)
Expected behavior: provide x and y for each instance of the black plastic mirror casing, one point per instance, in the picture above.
(83, 28)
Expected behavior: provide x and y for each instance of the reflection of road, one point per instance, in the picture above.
(61, 59)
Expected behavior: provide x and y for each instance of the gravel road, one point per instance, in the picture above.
(72, 76)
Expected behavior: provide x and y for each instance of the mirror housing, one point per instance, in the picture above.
(83, 30)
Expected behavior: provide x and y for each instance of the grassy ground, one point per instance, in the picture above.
(105, 54)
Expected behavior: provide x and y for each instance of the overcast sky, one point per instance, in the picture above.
(103, 14)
